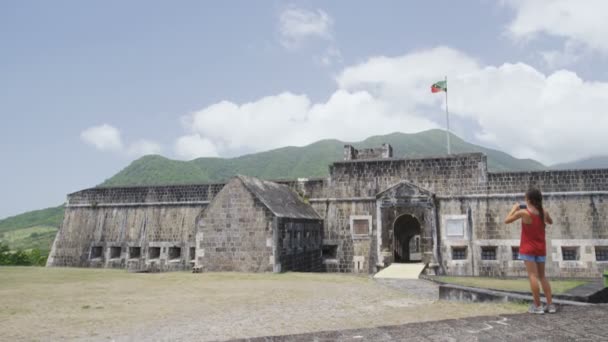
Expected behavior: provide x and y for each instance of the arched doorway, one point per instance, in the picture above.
(407, 239)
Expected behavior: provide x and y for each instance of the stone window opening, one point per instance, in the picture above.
(175, 253)
(459, 253)
(360, 225)
(515, 253)
(96, 252)
(601, 253)
(134, 252)
(488, 253)
(330, 251)
(570, 253)
(192, 253)
(154, 252)
(115, 252)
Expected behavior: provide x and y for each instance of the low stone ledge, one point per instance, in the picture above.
(473, 294)
(592, 292)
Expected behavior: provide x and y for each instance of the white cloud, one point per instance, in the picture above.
(288, 119)
(555, 59)
(103, 137)
(108, 138)
(581, 21)
(297, 24)
(550, 117)
(143, 147)
(194, 146)
(330, 56)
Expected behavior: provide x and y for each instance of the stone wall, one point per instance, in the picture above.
(299, 245)
(353, 252)
(105, 236)
(456, 174)
(549, 181)
(168, 194)
(580, 222)
(235, 233)
(384, 152)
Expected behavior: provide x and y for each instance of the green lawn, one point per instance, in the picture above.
(521, 284)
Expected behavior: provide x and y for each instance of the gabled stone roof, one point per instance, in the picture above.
(279, 199)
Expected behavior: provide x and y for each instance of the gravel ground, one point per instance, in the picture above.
(105, 305)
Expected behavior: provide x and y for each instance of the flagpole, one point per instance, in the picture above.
(447, 116)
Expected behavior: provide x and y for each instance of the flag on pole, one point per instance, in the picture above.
(439, 87)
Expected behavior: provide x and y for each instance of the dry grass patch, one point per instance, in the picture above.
(99, 304)
(521, 284)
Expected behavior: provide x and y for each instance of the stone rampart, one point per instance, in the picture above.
(145, 195)
(549, 181)
(143, 238)
(455, 174)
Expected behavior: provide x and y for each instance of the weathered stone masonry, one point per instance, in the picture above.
(445, 211)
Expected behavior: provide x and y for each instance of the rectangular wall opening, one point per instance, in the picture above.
(459, 253)
(330, 251)
(96, 252)
(601, 253)
(134, 252)
(115, 252)
(570, 253)
(488, 253)
(515, 253)
(360, 227)
(175, 253)
(153, 252)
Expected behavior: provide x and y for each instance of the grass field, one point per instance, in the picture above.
(521, 285)
(40, 237)
(99, 304)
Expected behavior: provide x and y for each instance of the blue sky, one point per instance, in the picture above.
(87, 87)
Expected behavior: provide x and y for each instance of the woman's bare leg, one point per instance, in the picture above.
(540, 266)
(533, 277)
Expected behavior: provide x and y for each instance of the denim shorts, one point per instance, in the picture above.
(535, 258)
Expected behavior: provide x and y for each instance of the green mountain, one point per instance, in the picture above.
(308, 161)
(597, 162)
(50, 217)
(34, 229)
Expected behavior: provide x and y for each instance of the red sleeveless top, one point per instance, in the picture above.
(533, 237)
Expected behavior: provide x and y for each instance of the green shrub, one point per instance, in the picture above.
(21, 257)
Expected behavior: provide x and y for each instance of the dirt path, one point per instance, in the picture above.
(105, 305)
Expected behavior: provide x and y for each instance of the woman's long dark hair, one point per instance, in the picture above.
(536, 198)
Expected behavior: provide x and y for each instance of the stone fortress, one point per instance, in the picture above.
(372, 210)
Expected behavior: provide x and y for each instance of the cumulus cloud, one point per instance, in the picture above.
(103, 137)
(550, 117)
(194, 146)
(108, 138)
(581, 21)
(288, 119)
(569, 55)
(297, 25)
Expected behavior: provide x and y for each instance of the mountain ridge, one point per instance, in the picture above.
(308, 161)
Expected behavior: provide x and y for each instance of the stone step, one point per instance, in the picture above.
(401, 271)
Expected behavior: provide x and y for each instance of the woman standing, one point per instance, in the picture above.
(533, 248)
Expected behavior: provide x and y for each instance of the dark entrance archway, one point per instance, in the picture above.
(407, 239)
